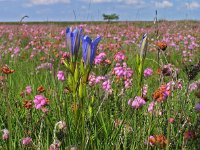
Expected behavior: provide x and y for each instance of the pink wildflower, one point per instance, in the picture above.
(5, 135)
(144, 90)
(179, 84)
(99, 79)
(39, 101)
(91, 79)
(171, 120)
(119, 57)
(26, 141)
(167, 70)
(55, 145)
(148, 72)
(122, 71)
(16, 50)
(194, 86)
(47, 66)
(128, 83)
(99, 58)
(106, 85)
(151, 138)
(65, 54)
(137, 102)
(151, 107)
(28, 89)
(61, 75)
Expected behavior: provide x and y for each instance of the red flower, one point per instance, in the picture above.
(161, 45)
(7, 70)
(40, 89)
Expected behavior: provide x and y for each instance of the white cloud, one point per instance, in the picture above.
(192, 5)
(98, 1)
(7, 0)
(132, 1)
(121, 1)
(47, 2)
(164, 4)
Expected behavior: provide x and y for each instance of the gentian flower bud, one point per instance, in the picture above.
(73, 40)
(143, 46)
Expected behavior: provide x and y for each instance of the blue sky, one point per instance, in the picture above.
(92, 10)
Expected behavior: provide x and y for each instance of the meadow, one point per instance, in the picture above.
(100, 86)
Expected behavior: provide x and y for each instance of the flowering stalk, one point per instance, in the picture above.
(78, 71)
(140, 60)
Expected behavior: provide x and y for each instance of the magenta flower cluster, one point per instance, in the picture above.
(119, 56)
(93, 80)
(28, 89)
(148, 72)
(167, 70)
(26, 141)
(105, 83)
(61, 75)
(39, 101)
(151, 106)
(144, 90)
(125, 73)
(137, 102)
(194, 86)
(99, 59)
(122, 71)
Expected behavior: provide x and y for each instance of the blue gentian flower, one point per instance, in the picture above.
(73, 40)
(89, 48)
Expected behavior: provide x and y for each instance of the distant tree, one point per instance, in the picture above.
(110, 17)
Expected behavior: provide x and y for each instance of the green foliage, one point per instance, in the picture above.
(110, 17)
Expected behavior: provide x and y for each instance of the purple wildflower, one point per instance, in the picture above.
(55, 145)
(137, 102)
(99, 79)
(194, 86)
(144, 90)
(28, 89)
(197, 107)
(61, 75)
(91, 80)
(151, 107)
(106, 85)
(119, 57)
(127, 83)
(39, 101)
(167, 70)
(45, 66)
(99, 58)
(148, 72)
(123, 71)
(26, 141)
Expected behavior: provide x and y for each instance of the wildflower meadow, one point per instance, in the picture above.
(100, 86)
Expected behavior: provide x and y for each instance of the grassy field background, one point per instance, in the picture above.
(102, 119)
